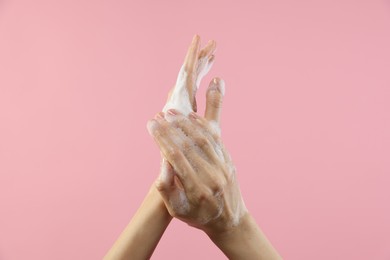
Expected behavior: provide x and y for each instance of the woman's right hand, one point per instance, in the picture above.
(200, 187)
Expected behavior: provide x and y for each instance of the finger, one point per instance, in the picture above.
(165, 180)
(203, 68)
(210, 127)
(200, 149)
(190, 67)
(191, 58)
(208, 50)
(172, 191)
(211, 60)
(159, 115)
(170, 141)
(195, 139)
(205, 61)
(212, 132)
(197, 147)
(192, 126)
(214, 98)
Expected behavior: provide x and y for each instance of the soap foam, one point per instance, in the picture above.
(203, 68)
(180, 99)
(180, 203)
(220, 206)
(165, 172)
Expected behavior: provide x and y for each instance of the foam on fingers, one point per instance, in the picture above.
(188, 82)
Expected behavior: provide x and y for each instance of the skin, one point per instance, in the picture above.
(140, 237)
(210, 185)
(197, 64)
(197, 182)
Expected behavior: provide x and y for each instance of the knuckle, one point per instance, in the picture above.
(186, 145)
(202, 142)
(160, 185)
(217, 186)
(174, 213)
(216, 189)
(201, 196)
(173, 153)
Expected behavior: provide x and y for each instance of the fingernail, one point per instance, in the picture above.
(159, 116)
(193, 115)
(219, 85)
(172, 112)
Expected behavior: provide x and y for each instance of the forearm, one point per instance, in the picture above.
(244, 242)
(141, 236)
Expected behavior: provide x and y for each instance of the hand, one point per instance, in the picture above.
(197, 64)
(200, 187)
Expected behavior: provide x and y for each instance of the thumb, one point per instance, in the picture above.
(166, 178)
(171, 190)
(165, 182)
(214, 98)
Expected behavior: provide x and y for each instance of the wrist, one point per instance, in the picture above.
(233, 232)
(244, 241)
(155, 198)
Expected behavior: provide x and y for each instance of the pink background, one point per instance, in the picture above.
(306, 119)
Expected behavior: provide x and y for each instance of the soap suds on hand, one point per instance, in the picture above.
(180, 100)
